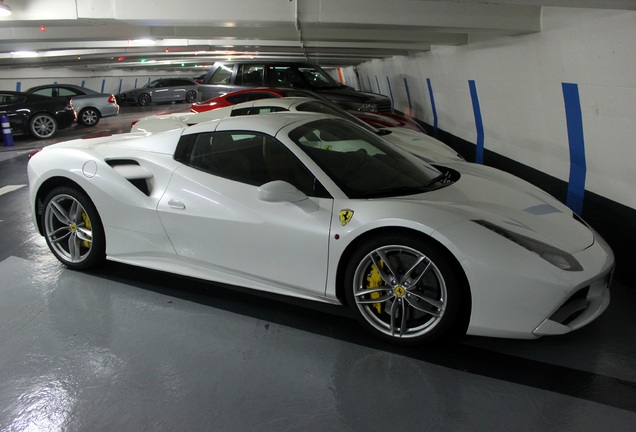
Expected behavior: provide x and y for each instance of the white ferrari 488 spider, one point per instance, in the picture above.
(316, 207)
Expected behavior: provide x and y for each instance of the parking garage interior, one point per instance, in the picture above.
(542, 89)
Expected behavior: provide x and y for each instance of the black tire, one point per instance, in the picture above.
(191, 96)
(405, 290)
(72, 228)
(144, 99)
(89, 116)
(42, 126)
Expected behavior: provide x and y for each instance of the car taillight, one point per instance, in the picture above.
(34, 153)
(112, 99)
(134, 123)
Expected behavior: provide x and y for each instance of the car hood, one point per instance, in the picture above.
(487, 194)
(422, 145)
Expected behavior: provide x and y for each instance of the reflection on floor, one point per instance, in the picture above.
(126, 349)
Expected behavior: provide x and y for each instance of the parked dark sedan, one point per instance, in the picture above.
(41, 116)
(89, 104)
(162, 90)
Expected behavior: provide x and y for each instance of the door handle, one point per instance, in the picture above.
(176, 204)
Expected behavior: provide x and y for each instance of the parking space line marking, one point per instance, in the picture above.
(10, 188)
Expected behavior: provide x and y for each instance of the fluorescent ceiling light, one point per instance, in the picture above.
(5, 10)
(144, 42)
(24, 54)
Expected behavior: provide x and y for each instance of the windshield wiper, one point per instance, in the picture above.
(442, 178)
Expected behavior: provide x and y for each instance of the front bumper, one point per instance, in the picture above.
(582, 307)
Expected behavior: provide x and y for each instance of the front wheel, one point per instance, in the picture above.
(191, 96)
(72, 228)
(143, 99)
(43, 126)
(404, 290)
(89, 117)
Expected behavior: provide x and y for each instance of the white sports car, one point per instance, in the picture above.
(418, 143)
(315, 207)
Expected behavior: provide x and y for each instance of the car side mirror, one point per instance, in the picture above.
(278, 191)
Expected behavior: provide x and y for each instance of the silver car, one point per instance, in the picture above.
(163, 90)
(89, 104)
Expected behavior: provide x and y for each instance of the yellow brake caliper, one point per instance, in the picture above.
(87, 223)
(375, 280)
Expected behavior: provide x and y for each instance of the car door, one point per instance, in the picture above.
(161, 92)
(214, 217)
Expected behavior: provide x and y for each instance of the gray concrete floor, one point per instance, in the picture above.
(126, 349)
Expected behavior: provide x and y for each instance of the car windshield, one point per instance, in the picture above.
(330, 108)
(317, 77)
(362, 164)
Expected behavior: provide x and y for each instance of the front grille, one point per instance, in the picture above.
(384, 106)
(572, 308)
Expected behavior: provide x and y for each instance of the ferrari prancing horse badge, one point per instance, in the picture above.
(345, 216)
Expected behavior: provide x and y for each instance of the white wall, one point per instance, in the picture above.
(519, 85)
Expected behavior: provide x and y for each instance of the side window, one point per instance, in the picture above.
(222, 75)
(250, 75)
(11, 99)
(256, 110)
(44, 92)
(250, 158)
(237, 99)
(284, 76)
(66, 92)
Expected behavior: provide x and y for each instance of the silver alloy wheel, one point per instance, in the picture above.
(43, 126)
(89, 117)
(399, 291)
(144, 99)
(68, 228)
(191, 96)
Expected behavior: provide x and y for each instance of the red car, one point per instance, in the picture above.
(377, 120)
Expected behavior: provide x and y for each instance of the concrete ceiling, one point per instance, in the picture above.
(192, 34)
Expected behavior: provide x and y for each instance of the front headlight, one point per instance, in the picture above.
(358, 106)
(551, 254)
(368, 107)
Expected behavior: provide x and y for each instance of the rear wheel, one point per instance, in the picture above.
(143, 99)
(72, 228)
(404, 290)
(89, 116)
(43, 126)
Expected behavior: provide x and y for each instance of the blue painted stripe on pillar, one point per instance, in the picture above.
(103, 85)
(18, 86)
(408, 95)
(390, 93)
(377, 82)
(369, 81)
(83, 83)
(578, 169)
(433, 107)
(120, 83)
(479, 155)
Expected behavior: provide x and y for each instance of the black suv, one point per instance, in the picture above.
(227, 77)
